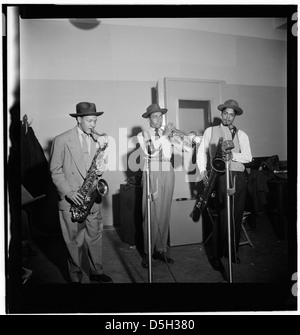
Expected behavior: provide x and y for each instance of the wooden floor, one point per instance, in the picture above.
(264, 273)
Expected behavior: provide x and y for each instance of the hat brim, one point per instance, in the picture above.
(238, 110)
(163, 111)
(86, 114)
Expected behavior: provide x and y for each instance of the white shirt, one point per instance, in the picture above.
(162, 143)
(244, 156)
(80, 132)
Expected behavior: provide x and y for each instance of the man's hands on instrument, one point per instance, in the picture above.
(102, 141)
(227, 155)
(75, 197)
(168, 129)
(226, 150)
(205, 177)
(100, 167)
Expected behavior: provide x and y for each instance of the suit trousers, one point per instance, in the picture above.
(75, 235)
(237, 204)
(162, 177)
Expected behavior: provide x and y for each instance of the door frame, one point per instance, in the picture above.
(163, 93)
(168, 96)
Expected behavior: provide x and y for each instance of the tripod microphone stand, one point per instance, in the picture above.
(228, 146)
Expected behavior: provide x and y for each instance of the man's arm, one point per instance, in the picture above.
(245, 155)
(202, 153)
(56, 168)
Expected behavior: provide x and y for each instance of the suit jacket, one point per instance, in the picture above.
(67, 165)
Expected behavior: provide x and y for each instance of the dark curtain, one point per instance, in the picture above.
(36, 178)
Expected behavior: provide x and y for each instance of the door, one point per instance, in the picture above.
(192, 106)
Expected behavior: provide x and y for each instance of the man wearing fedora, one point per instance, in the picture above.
(239, 155)
(71, 155)
(156, 145)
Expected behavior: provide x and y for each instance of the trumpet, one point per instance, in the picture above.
(192, 137)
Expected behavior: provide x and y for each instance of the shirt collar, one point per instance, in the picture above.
(80, 132)
(152, 130)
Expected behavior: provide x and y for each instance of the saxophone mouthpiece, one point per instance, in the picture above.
(102, 139)
(94, 132)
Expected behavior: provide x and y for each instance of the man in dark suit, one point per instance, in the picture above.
(71, 155)
(239, 155)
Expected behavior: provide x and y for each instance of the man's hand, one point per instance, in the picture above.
(226, 150)
(102, 141)
(168, 129)
(75, 197)
(227, 155)
(205, 177)
(100, 167)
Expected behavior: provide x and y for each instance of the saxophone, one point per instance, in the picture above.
(92, 187)
(218, 165)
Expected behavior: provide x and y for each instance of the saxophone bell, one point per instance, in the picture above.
(102, 187)
(219, 161)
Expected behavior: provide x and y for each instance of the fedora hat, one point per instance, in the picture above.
(152, 109)
(85, 109)
(231, 104)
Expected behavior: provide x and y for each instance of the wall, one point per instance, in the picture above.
(117, 66)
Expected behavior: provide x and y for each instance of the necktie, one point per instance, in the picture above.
(85, 148)
(233, 131)
(157, 137)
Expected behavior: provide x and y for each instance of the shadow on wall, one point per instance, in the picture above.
(127, 159)
(131, 176)
(47, 149)
(85, 24)
(14, 192)
(36, 178)
(216, 121)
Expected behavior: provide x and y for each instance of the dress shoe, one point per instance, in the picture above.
(103, 278)
(162, 257)
(145, 262)
(216, 263)
(234, 259)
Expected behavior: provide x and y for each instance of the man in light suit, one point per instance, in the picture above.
(71, 155)
(162, 177)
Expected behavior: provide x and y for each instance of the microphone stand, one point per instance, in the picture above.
(230, 191)
(149, 219)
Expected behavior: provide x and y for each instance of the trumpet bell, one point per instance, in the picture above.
(179, 136)
(195, 138)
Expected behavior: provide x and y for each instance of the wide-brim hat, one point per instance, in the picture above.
(86, 109)
(231, 104)
(154, 108)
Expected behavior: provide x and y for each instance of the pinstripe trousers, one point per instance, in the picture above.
(162, 177)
